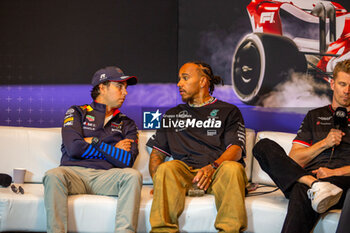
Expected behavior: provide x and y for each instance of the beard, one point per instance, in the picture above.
(187, 99)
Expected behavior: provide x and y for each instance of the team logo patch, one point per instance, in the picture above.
(214, 112)
(87, 107)
(102, 77)
(90, 118)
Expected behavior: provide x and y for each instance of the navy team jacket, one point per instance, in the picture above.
(87, 121)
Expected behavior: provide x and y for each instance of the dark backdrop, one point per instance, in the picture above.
(65, 42)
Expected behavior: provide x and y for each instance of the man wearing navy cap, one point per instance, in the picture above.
(99, 147)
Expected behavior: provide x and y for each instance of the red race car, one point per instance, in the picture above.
(289, 36)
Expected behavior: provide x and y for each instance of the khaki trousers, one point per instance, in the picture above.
(174, 178)
(69, 180)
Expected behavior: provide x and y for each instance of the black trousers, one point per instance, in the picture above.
(285, 172)
(343, 226)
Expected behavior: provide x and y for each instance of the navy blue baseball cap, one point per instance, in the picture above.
(114, 74)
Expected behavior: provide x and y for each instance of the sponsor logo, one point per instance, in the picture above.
(70, 111)
(68, 123)
(340, 114)
(211, 132)
(183, 114)
(89, 128)
(324, 118)
(90, 118)
(214, 112)
(68, 119)
(89, 124)
(68, 116)
(102, 77)
(151, 119)
(117, 127)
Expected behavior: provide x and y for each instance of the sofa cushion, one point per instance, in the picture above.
(284, 140)
(266, 213)
(250, 141)
(36, 149)
(142, 159)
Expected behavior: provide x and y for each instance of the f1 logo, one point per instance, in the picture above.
(267, 17)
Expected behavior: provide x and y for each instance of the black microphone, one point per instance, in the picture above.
(5, 180)
(340, 118)
(340, 122)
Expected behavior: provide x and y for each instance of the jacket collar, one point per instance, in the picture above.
(102, 108)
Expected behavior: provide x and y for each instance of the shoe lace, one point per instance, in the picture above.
(311, 193)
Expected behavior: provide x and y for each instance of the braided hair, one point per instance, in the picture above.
(207, 71)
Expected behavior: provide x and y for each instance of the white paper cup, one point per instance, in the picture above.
(18, 175)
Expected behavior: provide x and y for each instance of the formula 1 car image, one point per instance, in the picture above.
(307, 36)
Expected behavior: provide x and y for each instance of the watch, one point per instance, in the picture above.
(215, 165)
(94, 140)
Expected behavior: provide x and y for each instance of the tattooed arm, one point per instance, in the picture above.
(156, 158)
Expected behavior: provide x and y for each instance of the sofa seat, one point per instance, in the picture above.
(38, 150)
(93, 213)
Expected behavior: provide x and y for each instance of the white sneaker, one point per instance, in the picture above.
(324, 195)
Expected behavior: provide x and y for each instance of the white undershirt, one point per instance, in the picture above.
(107, 119)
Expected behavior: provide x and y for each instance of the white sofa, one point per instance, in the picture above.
(38, 150)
